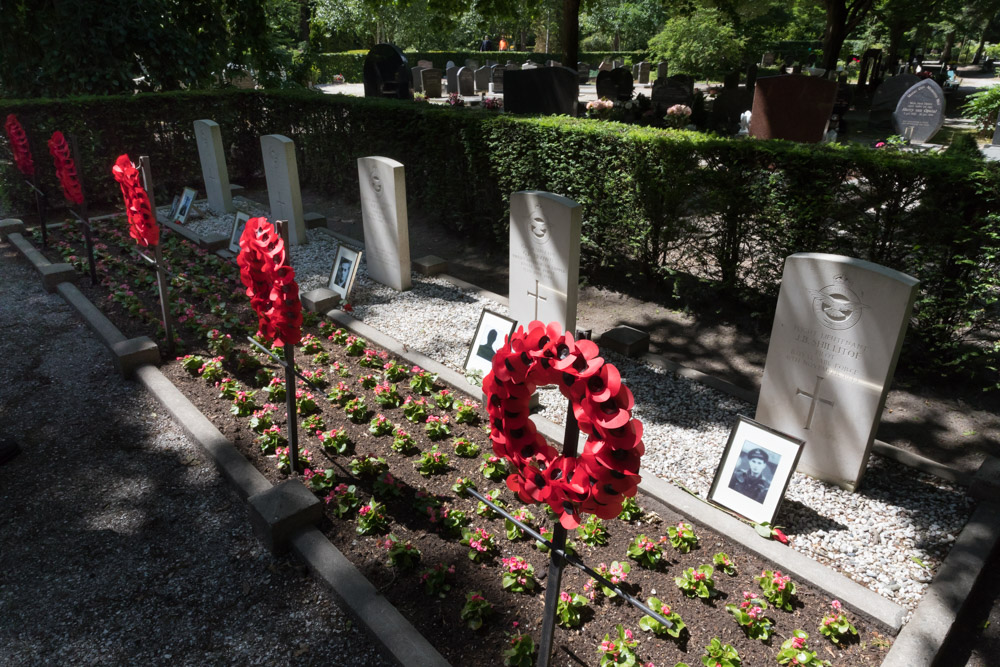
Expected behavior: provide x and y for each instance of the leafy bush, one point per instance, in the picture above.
(702, 44)
(983, 107)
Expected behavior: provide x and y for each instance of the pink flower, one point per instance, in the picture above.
(565, 597)
(836, 605)
(699, 576)
(798, 642)
(628, 634)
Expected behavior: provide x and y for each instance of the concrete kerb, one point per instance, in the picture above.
(402, 642)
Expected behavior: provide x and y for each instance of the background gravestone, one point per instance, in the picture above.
(643, 73)
(482, 78)
(996, 134)
(662, 69)
(544, 90)
(383, 212)
(616, 84)
(886, 98)
(387, 73)
(794, 107)
(676, 89)
(838, 329)
(605, 66)
(430, 81)
(426, 64)
(418, 86)
(282, 174)
(583, 70)
(466, 81)
(920, 112)
(451, 79)
(767, 60)
(471, 63)
(496, 79)
(208, 134)
(544, 258)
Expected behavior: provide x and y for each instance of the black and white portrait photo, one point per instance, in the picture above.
(491, 332)
(344, 270)
(753, 476)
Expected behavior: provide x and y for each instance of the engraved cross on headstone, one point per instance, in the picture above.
(537, 298)
(815, 398)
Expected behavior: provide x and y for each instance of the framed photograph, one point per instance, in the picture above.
(490, 334)
(234, 237)
(345, 269)
(756, 467)
(187, 198)
(174, 207)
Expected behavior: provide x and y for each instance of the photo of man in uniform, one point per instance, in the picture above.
(753, 478)
(343, 271)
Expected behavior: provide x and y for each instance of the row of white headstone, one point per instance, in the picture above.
(837, 333)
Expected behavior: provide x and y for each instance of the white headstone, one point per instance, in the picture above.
(544, 258)
(838, 329)
(213, 166)
(282, 174)
(387, 230)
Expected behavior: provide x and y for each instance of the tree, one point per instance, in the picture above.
(703, 44)
(842, 17)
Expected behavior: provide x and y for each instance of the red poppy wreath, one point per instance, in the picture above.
(270, 283)
(141, 223)
(65, 168)
(19, 145)
(598, 480)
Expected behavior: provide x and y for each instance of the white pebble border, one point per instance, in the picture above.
(891, 536)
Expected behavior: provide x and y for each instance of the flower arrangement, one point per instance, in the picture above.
(645, 551)
(835, 626)
(649, 624)
(569, 609)
(415, 409)
(682, 537)
(476, 610)
(372, 518)
(514, 532)
(368, 381)
(677, 116)
(435, 580)
(455, 100)
(19, 145)
(493, 104)
(750, 615)
(341, 337)
(211, 370)
(305, 403)
(66, 168)
(778, 588)
(370, 358)
(432, 462)
(310, 344)
(437, 427)
(465, 448)
(403, 443)
(338, 78)
(334, 440)
(518, 575)
(698, 582)
(724, 563)
(482, 545)
(343, 500)
(141, 221)
(270, 283)
(593, 532)
(600, 108)
(402, 555)
(380, 425)
(795, 652)
(619, 651)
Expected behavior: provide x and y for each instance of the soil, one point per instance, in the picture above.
(438, 618)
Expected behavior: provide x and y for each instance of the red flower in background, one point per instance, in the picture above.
(141, 221)
(606, 472)
(65, 168)
(270, 283)
(19, 146)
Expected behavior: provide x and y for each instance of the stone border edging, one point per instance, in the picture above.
(383, 622)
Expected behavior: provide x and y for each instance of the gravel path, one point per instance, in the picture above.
(890, 536)
(119, 542)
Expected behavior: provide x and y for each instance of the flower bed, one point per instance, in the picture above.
(389, 448)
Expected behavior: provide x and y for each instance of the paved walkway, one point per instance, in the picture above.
(119, 544)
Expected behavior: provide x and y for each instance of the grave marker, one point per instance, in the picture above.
(496, 79)
(996, 134)
(418, 86)
(643, 72)
(383, 212)
(282, 174)
(545, 90)
(616, 84)
(662, 68)
(920, 112)
(482, 78)
(838, 329)
(544, 258)
(387, 74)
(583, 70)
(466, 81)
(426, 64)
(671, 90)
(451, 79)
(208, 134)
(430, 81)
(885, 99)
(794, 107)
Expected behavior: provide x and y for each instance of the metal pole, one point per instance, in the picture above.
(40, 204)
(293, 432)
(554, 578)
(88, 237)
(162, 285)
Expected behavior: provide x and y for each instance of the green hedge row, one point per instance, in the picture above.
(690, 215)
(350, 64)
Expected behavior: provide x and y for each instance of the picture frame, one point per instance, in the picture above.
(489, 337)
(173, 207)
(239, 223)
(756, 467)
(344, 271)
(187, 199)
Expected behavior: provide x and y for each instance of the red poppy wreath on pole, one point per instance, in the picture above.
(65, 168)
(270, 283)
(19, 146)
(607, 472)
(141, 223)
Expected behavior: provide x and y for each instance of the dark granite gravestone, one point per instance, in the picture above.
(920, 112)
(635, 72)
(430, 81)
(662, 68)
(548, 90)
(726, 106)
(496, 78)
(793, 107)
(767, 60)
(426, 64)
(418, 87)
(583, 69)
(615, 85)
(676, 89)
(886, 98)
(466, 81)
(387, 74)
(451, 79)
(471, 64)
(482, 77)
(870, 63)
(643, 72)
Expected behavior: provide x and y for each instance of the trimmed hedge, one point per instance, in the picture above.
(350, 63)
(695, 216)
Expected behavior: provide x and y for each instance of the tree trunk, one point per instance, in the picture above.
(949, 41)
(835, 33)
(305, 18)
(896, 32)
(571, 32)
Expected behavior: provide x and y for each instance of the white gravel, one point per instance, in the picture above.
(890, 536)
